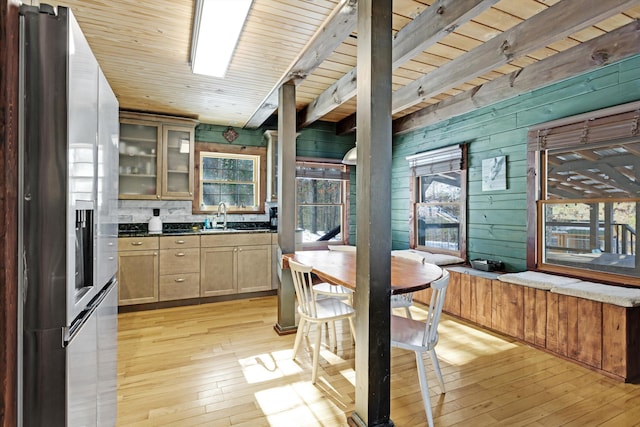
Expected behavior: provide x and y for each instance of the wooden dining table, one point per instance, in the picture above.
(339, 268)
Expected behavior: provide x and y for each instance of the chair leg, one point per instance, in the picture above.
(436, 368)
(353, 330)
(408, 313)
(316, 353)
(299, 333)
(424, 387)
(307, 329)
(333, 340)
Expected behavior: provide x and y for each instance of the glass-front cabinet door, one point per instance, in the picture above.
(156, 156)
(177, 180)
(139, 148)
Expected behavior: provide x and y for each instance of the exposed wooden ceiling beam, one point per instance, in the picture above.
(614, 46)
(431, 26)
(555, 23)
(329, 36)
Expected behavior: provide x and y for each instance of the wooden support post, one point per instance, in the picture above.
(373, 180)
(286, 204)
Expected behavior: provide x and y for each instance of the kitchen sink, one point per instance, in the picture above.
(217, 230)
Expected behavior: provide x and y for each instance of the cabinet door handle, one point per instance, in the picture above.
(240, 249)
(155, 254)
(111, 258)
(179, 280)
(180, 254)
(136, 243)
(110, 244)
(180, 242)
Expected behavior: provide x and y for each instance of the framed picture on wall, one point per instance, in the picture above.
(494, 173)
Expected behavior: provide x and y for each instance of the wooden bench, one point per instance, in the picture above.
(595, 325)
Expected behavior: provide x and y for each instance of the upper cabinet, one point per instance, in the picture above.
(156, 157)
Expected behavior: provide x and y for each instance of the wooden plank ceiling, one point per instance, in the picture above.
(443, 60)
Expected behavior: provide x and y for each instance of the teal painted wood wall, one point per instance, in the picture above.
(496, 220)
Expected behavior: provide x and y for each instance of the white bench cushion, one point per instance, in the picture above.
(534, 279)
(616, 295)
(442, 259)
(437, 259)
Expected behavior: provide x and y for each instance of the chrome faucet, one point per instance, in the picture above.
(222, 206)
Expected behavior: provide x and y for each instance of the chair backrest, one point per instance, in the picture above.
(343, 248)
(302, 283)
(435, 309)
(409, 255)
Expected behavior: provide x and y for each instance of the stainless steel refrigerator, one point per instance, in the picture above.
(68, 226)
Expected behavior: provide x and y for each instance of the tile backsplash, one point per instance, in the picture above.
(137, 211)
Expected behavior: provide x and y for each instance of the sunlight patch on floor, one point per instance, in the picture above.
(299, 402)
(477, 343)
(268, 367)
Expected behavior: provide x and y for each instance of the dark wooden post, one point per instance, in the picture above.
(9, 46)
(286, 204)
(373, 180)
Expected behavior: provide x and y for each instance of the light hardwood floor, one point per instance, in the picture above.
(222, 364)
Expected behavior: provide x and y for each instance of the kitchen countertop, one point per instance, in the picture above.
(173, 229)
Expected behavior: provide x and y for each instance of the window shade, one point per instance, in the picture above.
(618, 124)
(321, 170)
(436, 161)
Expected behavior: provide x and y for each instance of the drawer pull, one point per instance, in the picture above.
(180, 254)
(136, 243)
(180, 242)
(179, 280)
(111, 258)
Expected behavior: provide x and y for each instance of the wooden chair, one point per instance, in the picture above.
(405, 300)
(422, 337)
(313, 311)
(335, 291)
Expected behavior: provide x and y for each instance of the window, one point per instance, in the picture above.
(234, 177)
(438, 198)
(589, 193)
(321, 203)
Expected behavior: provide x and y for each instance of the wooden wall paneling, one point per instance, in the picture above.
(424, 296)
(481, 294)
(484, 129)
(507, 308)
(467, 298)
(628, 332)
(535, 316)
(584, 332)
(553, 343)
(452, 299)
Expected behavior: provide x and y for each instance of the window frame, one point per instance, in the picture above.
(329, 164)
(231, 150)
(606, 128)
(439, 161)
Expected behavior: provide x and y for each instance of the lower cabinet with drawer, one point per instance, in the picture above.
(179, 267)
(233, 264)
(138, 262)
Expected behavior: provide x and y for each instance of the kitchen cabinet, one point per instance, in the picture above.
(236, 263)
(156, 157)
(138, 262)
(179, 267)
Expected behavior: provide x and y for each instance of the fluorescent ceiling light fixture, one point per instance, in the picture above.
(217, 25)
